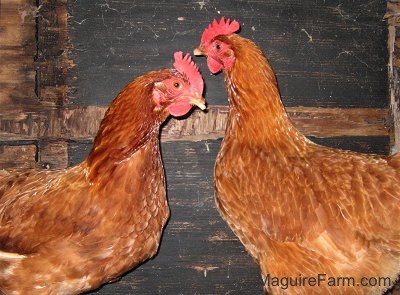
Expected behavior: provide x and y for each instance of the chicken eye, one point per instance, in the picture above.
(176, 84)
(218, 46)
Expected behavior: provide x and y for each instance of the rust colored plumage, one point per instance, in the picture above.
(72, 230)
(300, 209)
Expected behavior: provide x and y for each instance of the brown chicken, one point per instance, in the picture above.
(71, 230)
(317, 220)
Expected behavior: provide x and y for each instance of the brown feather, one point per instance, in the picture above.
(81, 227)
(301, 208)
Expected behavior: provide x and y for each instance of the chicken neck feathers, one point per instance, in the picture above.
(287, 198)
(92, 222)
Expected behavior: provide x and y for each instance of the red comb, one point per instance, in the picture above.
(187, 67)
(224, 27)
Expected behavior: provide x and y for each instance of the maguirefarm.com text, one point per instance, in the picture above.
(321, 279)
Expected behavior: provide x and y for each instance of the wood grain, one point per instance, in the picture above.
(83, 122)
(52, 59)
(22, 156)
(393, 19)
(53, 154)
(17, 51)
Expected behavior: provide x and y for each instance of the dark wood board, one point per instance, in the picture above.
(325, 53)
(196, 239)
(369, 145)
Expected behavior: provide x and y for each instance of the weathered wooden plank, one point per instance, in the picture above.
(52, 59)
(53, 154)
(328, 122)
(393, 18)
(33, 52)
(20, 156)
(17, 51)
(83, 123)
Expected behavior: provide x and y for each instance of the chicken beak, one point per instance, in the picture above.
(198, 52)
(200, 102)
(159, 85)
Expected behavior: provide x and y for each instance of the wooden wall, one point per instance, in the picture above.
(321, 53)
(62, 62)
(393, 18)
(17, 51)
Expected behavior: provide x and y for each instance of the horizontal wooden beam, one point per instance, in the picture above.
(330, 122)
(318, 122)
(82, 123)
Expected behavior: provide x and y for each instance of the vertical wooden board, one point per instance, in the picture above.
(199, 254)
(53, 155)
(325, 53)
(52, 52)
(394, 70)
(17, 51)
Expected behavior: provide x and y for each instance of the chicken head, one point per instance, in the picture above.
(220, 55)
(177, 94)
